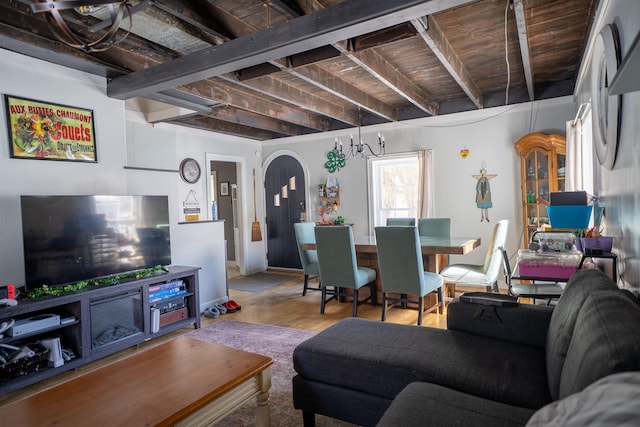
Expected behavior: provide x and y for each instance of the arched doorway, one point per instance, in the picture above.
(285, 196)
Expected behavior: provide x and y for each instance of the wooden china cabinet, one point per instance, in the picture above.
(542, 160)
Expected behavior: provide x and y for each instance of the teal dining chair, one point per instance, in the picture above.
(339, 268)
(483, 275)
(434, 227)
(304, 232)
(402, 273)
(401, 221)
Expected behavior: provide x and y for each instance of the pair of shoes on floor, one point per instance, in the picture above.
(215, 311)
(232, 306)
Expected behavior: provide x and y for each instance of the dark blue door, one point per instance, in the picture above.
(285, 200)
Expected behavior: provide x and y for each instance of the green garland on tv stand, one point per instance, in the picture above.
(78, 286)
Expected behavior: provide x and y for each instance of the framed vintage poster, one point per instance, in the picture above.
(44, 131)
(224, 188)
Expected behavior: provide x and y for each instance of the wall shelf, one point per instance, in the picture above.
(627, 79)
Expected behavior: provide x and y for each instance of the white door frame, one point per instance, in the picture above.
(242, 203)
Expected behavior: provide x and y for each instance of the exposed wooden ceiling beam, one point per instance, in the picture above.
(328, 82)
(521, 23)
(275, 88)
(220, 126)
(438, 43)
(34, 38)
(360, 44)
(230, 94)
(247, 118)
(33, 44)
(36, 46)
(292, 64)
(183, 99)
(287, 7)
(345, 20)
(375, 65)
(383, 37)
(165, 114)
(263, 78)
(196, 17)
(380, 68)
(298, 60)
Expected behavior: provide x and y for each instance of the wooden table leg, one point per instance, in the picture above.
(434, 262)
(263, 414)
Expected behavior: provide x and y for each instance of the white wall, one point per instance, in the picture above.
(202, 244)
(618, 188)
(489, 134)
(27, 78)
(170, 144)
(122, 140)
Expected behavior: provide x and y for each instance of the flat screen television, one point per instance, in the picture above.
(72, 238)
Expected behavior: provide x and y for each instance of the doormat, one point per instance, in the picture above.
(273, 341)
(260, 281)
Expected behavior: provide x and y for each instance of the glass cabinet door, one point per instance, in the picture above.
(561, 162)
(543, 160)
(537, 188)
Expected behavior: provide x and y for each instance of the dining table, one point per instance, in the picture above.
(435, 252)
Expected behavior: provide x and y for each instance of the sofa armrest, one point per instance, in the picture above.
(520, 323)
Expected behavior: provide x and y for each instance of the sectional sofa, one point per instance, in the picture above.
(498, 363)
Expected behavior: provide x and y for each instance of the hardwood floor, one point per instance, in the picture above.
(283, 305)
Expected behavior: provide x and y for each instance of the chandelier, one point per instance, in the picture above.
(337, 157)
(93, 38)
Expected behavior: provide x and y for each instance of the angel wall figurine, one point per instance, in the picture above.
(483, 193)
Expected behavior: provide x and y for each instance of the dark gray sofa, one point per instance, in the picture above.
(492, 366)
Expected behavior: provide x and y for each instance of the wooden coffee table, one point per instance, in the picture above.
(184, 382)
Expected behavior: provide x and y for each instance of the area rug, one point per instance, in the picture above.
(259, 282)
(272, 341)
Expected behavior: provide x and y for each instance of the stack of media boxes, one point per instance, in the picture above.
(167, 301)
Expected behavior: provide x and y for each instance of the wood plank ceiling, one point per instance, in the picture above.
(265, 69)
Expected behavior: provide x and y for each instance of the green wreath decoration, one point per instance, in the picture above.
(336, 160)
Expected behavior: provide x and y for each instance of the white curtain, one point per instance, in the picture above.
(573, 168)
(580, 166)
(426, 191)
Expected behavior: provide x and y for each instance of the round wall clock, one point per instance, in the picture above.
(605, 107)
(190, 170)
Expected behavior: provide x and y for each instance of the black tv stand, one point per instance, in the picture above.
(121, 312)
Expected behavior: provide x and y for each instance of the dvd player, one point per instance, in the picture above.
(34, 324)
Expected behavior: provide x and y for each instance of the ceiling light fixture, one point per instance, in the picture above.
(59, 12)
(337, 157)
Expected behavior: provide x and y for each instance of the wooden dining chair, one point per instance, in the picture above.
(339, 269)
(483, 275)
(402, 274)
(308, 258)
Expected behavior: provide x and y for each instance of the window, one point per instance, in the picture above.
(394, 187)
(580, 160)
(580, 173)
